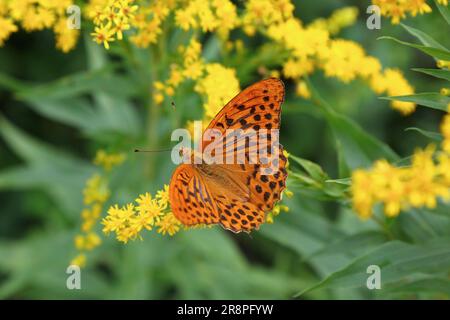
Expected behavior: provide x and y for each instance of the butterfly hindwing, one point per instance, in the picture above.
(190, 198)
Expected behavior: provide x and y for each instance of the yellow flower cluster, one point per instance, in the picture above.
(218, 86)
(397, 9)
(401, 188)
(108, 160)
(445, 130)
(302, 90)
(35, 15)
(260, 14)
(95, 194)
(128, 221)
(208, 15)
(193, 63)
(277, 209)
(339, 19)
(111, 18)
(192, 68)
(214, 82)
(148, 21)
(443, 64)
(312, 48)
(392, 83)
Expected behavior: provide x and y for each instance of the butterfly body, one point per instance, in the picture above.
(235, 193)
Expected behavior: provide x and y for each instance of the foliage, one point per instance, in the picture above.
(70, 121)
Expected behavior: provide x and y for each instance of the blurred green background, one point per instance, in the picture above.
(58, 109)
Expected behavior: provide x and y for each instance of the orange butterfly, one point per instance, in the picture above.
(236, 196)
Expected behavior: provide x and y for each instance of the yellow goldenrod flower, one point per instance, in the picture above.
(163, 197)
(127, 222)
(79, 260)
(208, 15)
(158, 98)
(168, 224)
(397, 9)
(340, 18)
(218, 87)
(95, 193)
(302, 90)
(66, 38)
(277, 209)
(149, 206)
(175, 76)
(111, 19)
(37, 15)
(108, 161)
(87, 242)
(194, 70)
(392, 82)
(298, 67)
(95, 190)
(6, 28)
(416, 186)
(288, 193)
(445, 130)
(342, 59)
(263, 13)
(443, 64)
(103, 34)
(169, 91)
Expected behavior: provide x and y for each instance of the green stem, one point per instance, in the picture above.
(317, 99)
(152, 116)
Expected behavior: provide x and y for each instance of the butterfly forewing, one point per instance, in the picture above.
(256, 108)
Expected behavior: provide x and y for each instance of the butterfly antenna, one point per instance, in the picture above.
(152, 151)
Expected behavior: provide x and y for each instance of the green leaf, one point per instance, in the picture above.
(438, 73)
(423, 224)
(114, 110)
(313, 169)
(444, 11)
(343, 181)
(429, 134)
(29, 148)
(10, 83)
(358, 148)
(424, 38)
(80, 83)
(76, 112)
(433, 285)
(427, 99)
(396, 259)
(437, 53)
(353, 243)
(61, 175)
